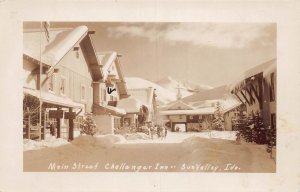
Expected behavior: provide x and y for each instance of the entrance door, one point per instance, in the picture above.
(179, 127)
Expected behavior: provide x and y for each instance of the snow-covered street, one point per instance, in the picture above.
(178, 152)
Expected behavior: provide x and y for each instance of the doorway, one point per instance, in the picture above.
(179, 127)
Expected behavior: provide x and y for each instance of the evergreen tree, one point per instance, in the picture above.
(259, 131)
(271, 138)
(242, 124)
(88, 125)
(218, 121)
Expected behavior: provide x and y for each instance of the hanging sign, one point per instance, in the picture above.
(70, 115)
(56, 114)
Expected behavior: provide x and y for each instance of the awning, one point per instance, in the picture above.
(51, 98)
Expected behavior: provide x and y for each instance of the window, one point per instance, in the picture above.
(83, 93)
(272, 88)
(51, 83)
(63, 86)
(127, 121)
(116, 123)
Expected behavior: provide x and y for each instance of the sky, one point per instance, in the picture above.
(211, 54)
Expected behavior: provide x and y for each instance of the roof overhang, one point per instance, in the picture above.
(51, 98)
(108, 110)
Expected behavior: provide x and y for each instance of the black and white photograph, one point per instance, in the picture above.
(149, 97)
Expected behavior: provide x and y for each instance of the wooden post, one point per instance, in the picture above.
(58, 125)
(44, 128)
(71, 127)
(29, 117)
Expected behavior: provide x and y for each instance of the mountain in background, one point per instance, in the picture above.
(167, 88)
(186, 87)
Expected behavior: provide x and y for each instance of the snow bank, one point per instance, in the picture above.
(137, 136)
(102, 141)
(29, 144)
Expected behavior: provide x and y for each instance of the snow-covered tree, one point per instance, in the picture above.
(88, 125)
(242, 124)
(259, 130)
(218, 120)
(271, 139)
(31, 106)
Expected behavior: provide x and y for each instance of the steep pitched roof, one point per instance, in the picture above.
(36, 46)
(107, 59)
(179, 105)
(211, 94)
(200, 111)
(61, 41)
(264, 68)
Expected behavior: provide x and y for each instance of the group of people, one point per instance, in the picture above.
(158, 130)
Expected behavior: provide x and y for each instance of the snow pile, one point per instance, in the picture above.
(29, 144)
(137, 136)
(102, 141)
(88, 151)
(194, 141)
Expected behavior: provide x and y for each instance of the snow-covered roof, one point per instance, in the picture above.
(106, 59)
(227, 103)
(163, 95)
(211, 94)
(52, 98)
(130, 105)
(116, 109)
(100, 110)
(272, 68)
(35, 44)
(200, 111)
(144, 95)
(179, 104)
(263, 68)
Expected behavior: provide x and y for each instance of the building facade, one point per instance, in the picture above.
(108, 92)
(256, 88)
(140, 107)
(64, 83)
